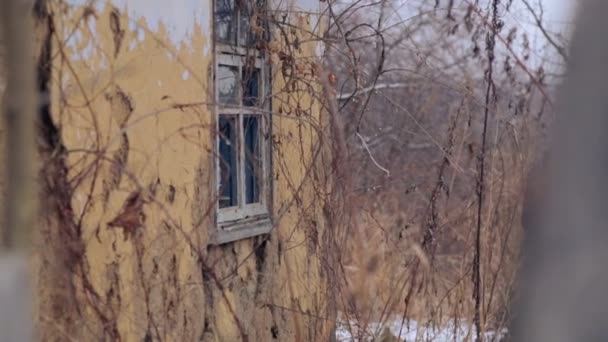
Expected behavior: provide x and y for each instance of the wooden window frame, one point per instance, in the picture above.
(244, 220)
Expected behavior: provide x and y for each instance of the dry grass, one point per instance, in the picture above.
(413, 249)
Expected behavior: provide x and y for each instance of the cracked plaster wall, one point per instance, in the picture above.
(123, 252)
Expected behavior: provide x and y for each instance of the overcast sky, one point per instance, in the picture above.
(558, 14)
(559, 10)
(558, 17)
(179, 16)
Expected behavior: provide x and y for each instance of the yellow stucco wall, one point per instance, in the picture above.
(131, 97)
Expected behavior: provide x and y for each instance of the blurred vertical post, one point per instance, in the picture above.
(564, 294)
(20, 204)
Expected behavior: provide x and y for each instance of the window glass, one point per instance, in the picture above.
(240, 86)
(228, 150)
(253, 158)
(245, 12)
(251, 86)
(225, 21)
(227, 84)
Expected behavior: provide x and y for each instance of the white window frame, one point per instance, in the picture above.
(244, 220)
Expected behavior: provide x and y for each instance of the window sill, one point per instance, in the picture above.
(243, 229)
(228, 48)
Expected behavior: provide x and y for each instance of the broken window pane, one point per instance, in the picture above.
(226, 84)
(251, 83)
(253, 158)
(228, 150)
(225, 22)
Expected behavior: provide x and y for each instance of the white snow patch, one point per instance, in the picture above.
(412, 331)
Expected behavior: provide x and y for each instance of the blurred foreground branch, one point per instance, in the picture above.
(565, 283)
(20, 110)
(21, 196)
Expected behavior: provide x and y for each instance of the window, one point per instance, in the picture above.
(242, 139)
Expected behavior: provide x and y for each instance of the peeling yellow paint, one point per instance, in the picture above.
(134, 111)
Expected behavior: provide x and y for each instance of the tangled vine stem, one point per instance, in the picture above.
(490, 98)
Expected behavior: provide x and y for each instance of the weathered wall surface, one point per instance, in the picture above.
(123, 252)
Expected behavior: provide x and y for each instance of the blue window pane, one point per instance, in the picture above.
(253, 158)
(251, 82)
(228, 193)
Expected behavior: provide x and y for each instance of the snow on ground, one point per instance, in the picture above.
(411, 331)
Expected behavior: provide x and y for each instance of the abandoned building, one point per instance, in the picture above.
(184, 171)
